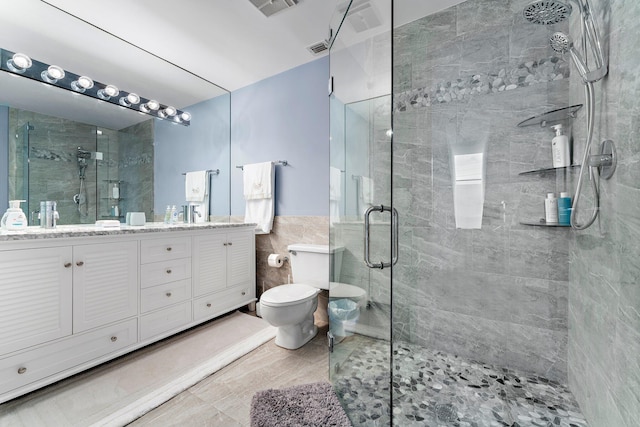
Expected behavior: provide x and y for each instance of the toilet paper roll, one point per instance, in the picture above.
(275, 260)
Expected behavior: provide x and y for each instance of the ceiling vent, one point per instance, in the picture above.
(362, 15)
(269, 7)
(318, 48)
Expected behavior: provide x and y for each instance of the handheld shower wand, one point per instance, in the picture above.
(547, 12)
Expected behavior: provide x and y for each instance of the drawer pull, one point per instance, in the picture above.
(80, 263)
(114, 339)
(168, 248)
(229, 243)
(22, 370)
(225, 244)
(208, 304)
(244, 293)
(168, 271)
(168, 294)
(67, 264)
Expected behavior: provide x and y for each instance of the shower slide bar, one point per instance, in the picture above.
(280, 162)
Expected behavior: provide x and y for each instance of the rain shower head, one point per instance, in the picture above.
(547, 12)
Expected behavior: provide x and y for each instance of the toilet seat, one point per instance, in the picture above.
(284, 295)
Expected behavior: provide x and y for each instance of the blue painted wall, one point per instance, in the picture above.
(285, 117)
(202, 145)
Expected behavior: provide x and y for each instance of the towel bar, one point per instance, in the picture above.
(281, 162)
(211, 172)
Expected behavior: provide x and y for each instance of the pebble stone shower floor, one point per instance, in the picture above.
(435, 389)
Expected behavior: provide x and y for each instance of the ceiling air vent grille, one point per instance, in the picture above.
(269, 7)
(318, 48)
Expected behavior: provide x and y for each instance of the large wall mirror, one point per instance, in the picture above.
(59, 145)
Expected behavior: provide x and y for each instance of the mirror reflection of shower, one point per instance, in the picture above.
(80, 199)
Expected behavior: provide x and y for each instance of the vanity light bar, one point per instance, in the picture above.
(21, 65)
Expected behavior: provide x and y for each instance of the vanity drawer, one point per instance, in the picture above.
(221, 302)
(153, 250)
(163, 295)
(165, 320)
(33, 365)
(158, 273)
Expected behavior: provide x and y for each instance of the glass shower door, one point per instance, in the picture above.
(360, 206)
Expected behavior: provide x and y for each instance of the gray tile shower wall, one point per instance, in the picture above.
(135, 166)
(465, 77)
(604, 288)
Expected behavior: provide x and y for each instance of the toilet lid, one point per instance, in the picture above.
(288, 294)
(344, 290)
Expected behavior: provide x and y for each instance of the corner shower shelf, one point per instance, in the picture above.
(552, 116)
(544, 171)
(543, 223)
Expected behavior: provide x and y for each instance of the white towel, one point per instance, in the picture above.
(259, 191)
(335, 183)
(258, 181)
(195, 186)
(366, 190)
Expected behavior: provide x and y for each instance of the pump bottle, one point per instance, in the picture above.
(560, 148)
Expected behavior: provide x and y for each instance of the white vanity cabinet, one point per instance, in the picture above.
(105, 283)
(71, 302)
(165, 285)
(223, 272)
(35, 296)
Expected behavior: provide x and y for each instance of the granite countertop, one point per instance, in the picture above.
(85, 230)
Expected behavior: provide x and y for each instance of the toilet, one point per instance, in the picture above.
(290, 307)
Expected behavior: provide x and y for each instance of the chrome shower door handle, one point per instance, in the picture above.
(367, 238)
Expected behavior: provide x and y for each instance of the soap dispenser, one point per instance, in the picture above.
(14, 218)
(560, 148)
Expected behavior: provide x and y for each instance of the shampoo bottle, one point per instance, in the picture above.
(564, 209)
(560, 148)
(551, 209)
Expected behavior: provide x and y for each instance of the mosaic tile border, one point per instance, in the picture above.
(525, 74)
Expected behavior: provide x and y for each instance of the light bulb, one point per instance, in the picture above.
(52, 74)
(185, 117)
(81, 84)
(19, 62)
(108, 92)
(130, 99)
(168, 111)
(150, 105)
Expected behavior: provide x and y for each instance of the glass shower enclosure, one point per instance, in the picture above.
(486, 311)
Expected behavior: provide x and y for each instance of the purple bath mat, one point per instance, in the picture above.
(308, 405)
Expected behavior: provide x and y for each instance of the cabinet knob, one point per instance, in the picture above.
(22, 370)
(208, 304)
(80, 263)
(168, 271)
(168, 294)
(114, 339)
(244, 293)
(67, 264)
(169, 249)
(225, 244)
(229, 243)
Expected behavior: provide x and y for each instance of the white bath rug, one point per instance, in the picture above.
(120, 391)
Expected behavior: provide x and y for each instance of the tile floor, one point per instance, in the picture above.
(435, 389)
(224, 398)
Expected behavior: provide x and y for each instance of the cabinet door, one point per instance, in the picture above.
(35, 296)
(209, 262)
(105, 283)
(241, 258)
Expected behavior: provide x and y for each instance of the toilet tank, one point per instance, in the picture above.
(310, 264)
